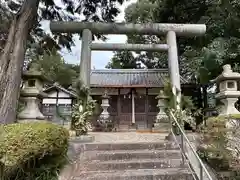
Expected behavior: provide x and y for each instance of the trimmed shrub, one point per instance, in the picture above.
(214, 149)
(219, 146)
(35, 150)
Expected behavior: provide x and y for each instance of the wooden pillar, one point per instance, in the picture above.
(133, 108)
(146, 107)
(57, 97)
(56, 107)
(119, 106)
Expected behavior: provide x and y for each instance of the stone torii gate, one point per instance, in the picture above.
(170, 30)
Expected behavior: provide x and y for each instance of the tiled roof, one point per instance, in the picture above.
(61, 89)
(129, 78)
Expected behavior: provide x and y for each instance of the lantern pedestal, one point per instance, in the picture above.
(31, 111)
(104, 121)
(161, 123)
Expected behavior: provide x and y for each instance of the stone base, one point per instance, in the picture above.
(170, 137)
(31, 110)
(144, 130)
(160, 130)
(161, 127)
(82, 139)
(30, 120)
(67, 125)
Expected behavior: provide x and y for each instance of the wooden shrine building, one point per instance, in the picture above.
(132, 95)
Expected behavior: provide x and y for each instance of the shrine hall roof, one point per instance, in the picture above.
(130, 78)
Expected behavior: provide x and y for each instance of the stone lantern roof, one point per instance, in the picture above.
(34, 72)
(227, 74)
(228, 90)
(105, 95)
(161, 95)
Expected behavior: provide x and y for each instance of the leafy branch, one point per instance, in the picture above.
(187, 109)
(83, 110)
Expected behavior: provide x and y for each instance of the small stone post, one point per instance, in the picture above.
(228, 90)
(161, 123)
(32, 94)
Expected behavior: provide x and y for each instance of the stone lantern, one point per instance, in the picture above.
(104, 116)
(32, 95)
(228, 90)
(162, 121)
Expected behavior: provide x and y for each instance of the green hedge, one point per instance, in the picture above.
(31, 151)
(214, 149)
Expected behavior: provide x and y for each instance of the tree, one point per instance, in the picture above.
(123, 60)
(55, 69)
(201, 59)
(163, 11)
(5, 15)
(222, 20)
(25, 20)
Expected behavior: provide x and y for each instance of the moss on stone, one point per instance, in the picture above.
(225, 117)
(235, 116)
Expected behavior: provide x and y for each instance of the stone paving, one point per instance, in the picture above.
(127, 137)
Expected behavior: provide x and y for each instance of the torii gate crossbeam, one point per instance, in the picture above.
(170, 30)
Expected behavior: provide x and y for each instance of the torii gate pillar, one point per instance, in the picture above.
(170, 30)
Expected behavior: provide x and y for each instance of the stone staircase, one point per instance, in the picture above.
(130, 161)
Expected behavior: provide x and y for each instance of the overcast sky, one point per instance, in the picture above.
(99, 58)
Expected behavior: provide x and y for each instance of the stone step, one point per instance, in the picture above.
(141, 174)
(95, 165)
(131, 154)
(164, 145)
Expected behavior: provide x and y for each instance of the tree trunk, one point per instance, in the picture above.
(12, 60)
(205, 97)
